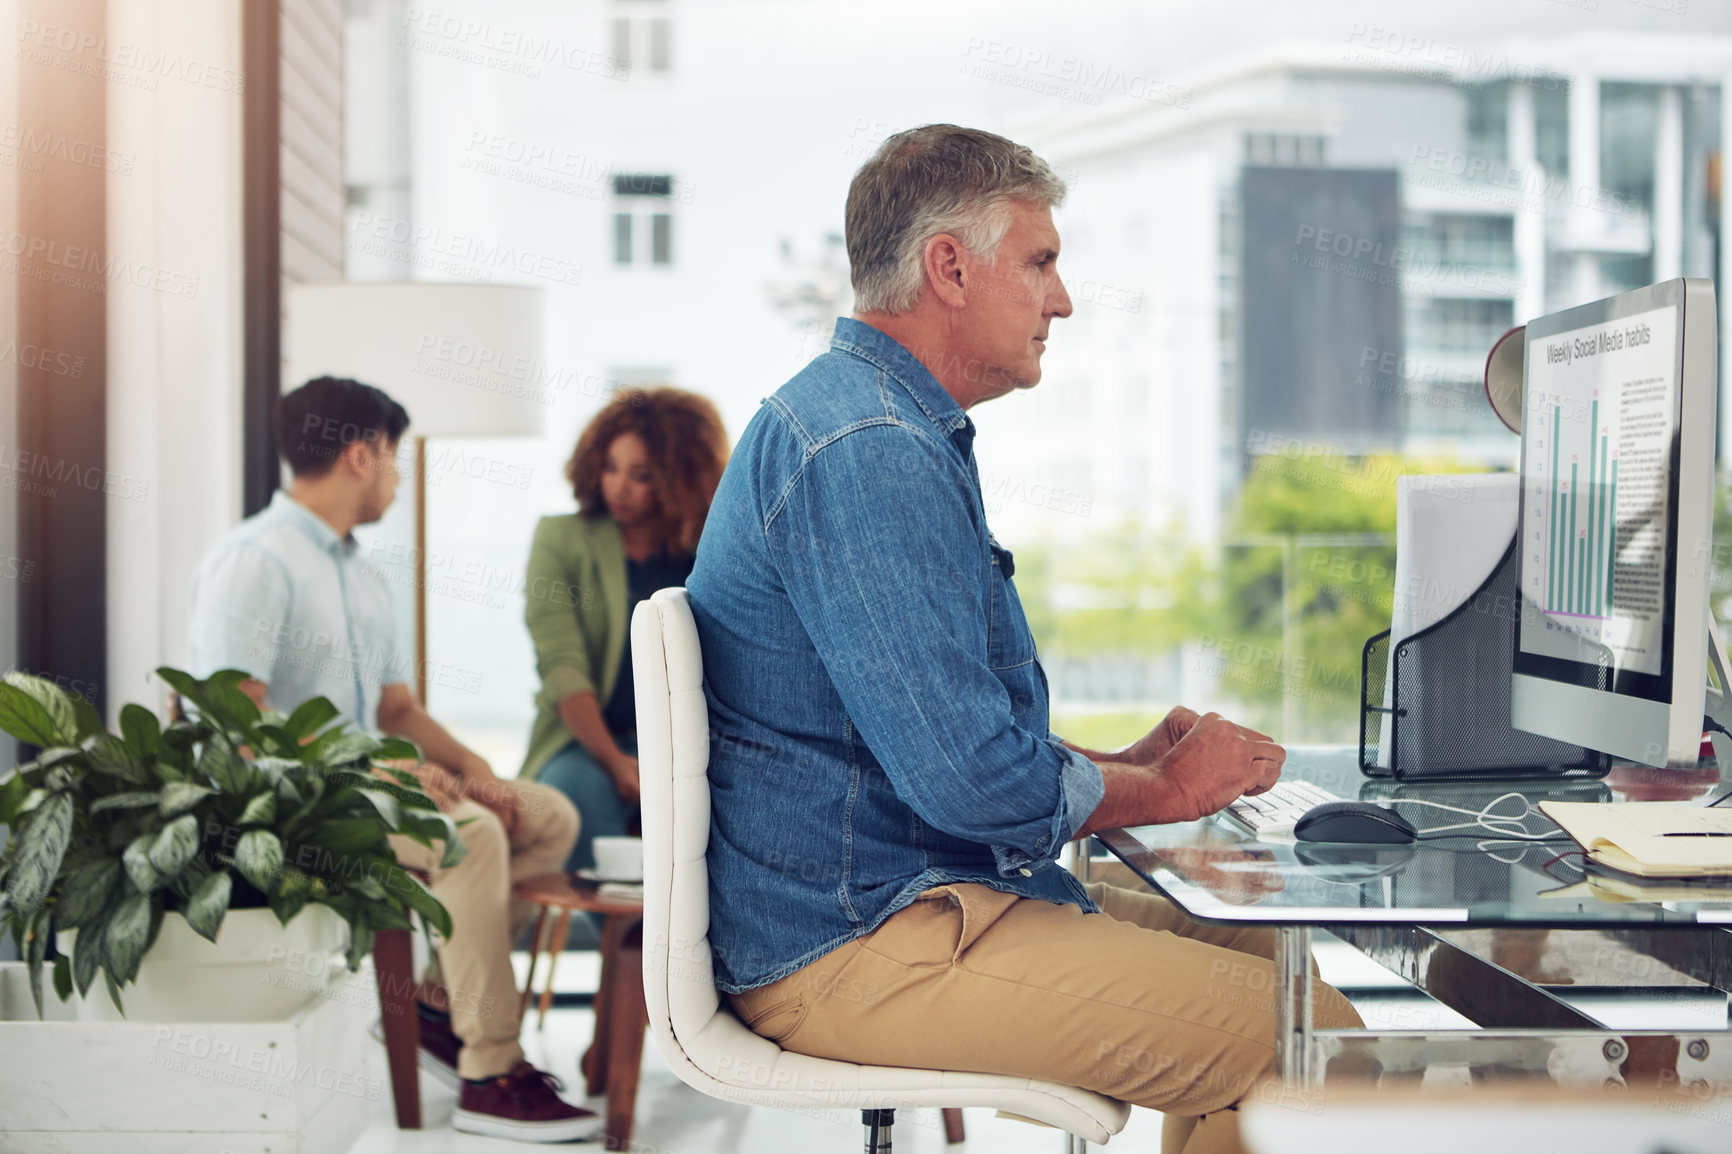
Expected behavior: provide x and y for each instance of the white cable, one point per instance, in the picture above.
(1507, 827)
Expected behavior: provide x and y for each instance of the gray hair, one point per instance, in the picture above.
(930, 180)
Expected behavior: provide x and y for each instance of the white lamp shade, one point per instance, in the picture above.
(466, 360)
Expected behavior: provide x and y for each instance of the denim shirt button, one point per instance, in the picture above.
(1027, 873)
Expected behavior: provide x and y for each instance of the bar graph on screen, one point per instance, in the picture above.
(1580, 537)
(1598, 437)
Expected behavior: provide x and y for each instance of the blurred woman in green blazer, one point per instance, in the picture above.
(643, 472)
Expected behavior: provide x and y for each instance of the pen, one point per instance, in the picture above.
(1716, 833)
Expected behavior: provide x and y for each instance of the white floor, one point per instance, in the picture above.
(672, 1118)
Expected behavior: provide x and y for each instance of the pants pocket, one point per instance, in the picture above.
(775, 1019)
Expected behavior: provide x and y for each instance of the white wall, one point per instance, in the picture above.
(175, 359)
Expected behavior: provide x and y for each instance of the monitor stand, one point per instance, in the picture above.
(1717, 701)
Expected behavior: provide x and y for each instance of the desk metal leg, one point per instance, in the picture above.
(1293, 993)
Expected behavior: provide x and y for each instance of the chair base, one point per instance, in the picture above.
(880, 1125)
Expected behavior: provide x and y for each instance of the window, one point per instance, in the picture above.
(1284, 148)
(643, 220)
(642, 34)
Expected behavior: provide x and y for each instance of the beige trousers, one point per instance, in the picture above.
(1138, 1002)
(485, 919)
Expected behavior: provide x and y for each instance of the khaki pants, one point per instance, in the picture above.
(1139, 1002)
(485, 919)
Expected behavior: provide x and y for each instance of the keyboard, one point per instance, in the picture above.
(1273, 814)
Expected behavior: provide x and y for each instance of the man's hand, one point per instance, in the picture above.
(625, 779)
(483, 786)
(1210, 766)
(441, 786)
(1153, 746)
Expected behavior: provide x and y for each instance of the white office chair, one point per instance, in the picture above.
(704, 1043)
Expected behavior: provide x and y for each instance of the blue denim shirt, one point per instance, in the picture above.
(878, 715)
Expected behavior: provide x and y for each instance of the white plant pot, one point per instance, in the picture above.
(256, 971)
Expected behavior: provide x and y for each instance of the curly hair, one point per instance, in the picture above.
(687, 449)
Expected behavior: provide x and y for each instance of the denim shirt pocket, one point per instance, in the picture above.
(1009, 644)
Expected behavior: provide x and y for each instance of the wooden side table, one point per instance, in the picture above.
(612, 1063)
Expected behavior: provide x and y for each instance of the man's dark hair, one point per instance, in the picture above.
(317, 421)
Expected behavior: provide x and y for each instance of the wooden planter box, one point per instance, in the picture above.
(294, 1086)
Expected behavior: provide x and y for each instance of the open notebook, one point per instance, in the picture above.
(1653, 839)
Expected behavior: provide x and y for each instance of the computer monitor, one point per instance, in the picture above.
(1614, 637)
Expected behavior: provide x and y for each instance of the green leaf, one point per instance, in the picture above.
(455, 850)
(337, 748)
(348, 834)
(189, 687)
(360, 944)
(287, 906)
(274, 769)
(259, 857)
(42, 844)
(180, 796)
(183, 735)
(131, 799)
(124, 940)
(87, 956)
(223, 765)
(383, 916)
(12, 793)
(275, 740)
(55, 755)
(262, 808)
(175, 845)
(408, 888)
(412, 795)
(309, 717)
(86, 722)
(139, 729)
(397, 749)
(55, 705)
(24, 718)
(386, 805)
(136, 859)
(369, 887)
(86, 892)
(63, 977)
(110, 755)
(205, 912)
(35, 950)
(113, 991)
(234, 706)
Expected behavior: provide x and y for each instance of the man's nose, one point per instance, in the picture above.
(1059, 300)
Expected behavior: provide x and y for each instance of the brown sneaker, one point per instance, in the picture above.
(522, 1105)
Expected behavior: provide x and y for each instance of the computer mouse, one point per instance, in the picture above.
(1355, 822)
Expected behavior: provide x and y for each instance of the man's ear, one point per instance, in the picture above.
(944, 262)
(357, 457)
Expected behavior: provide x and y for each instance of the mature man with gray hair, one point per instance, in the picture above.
(888, 799)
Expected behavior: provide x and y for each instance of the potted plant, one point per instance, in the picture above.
(236, 808)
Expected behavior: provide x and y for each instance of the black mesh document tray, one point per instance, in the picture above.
(1449, 698)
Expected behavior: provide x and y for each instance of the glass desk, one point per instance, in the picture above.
(1483, 925)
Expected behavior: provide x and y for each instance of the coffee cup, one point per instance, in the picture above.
(619, 858)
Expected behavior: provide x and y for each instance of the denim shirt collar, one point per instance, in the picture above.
(286, 508)
(857, 338)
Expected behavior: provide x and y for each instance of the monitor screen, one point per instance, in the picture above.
(1597, 479)
(1619, 402)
